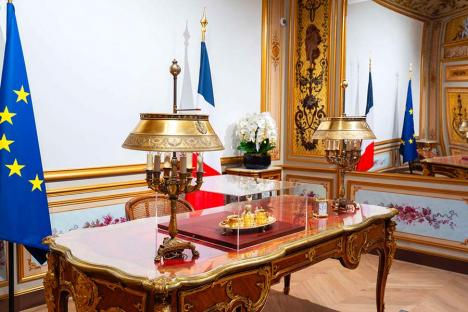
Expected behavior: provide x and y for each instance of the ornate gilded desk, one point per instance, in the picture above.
(452, 166)
(112, 269)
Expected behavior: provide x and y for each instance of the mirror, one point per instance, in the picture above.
(385, 47)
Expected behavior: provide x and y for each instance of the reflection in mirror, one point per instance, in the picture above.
(381, 46)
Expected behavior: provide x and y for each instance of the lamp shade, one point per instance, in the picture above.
(173, 133)
(343, 128)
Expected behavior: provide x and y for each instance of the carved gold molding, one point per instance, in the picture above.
(272, 65)
(92, 173)
(425, 10)
(456, 73)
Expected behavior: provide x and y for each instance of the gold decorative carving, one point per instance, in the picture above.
(85, 295)
(181, 143)
(353, 252)
(310, 254)
(456, 103)
(275, 50)
(113, 309)
(456, 52)
(456, 73)
(237, 300)
(390, 243)
(51, 282)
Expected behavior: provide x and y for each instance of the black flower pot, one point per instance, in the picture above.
(257, 161)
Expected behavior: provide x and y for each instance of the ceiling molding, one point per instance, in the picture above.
(425, 9)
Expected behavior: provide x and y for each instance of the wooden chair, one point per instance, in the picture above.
(146, 206)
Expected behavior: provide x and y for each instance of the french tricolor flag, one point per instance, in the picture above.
(367, 149)
(211, 160)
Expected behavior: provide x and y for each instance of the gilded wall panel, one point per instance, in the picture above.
(456, 38)
(309, 76)
(457, 29)
(456, 105)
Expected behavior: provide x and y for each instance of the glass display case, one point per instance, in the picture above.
(249, 211)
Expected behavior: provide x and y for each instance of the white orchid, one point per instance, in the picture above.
(257, 133)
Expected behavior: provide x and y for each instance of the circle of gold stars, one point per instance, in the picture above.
(7, 116)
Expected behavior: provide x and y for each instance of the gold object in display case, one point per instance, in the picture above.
(343, 138)
(170, 140)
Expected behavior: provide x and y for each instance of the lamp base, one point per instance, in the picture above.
(172, 248)
(343, 205)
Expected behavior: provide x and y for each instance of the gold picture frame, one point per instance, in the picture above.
(28, 268)
(456, 73)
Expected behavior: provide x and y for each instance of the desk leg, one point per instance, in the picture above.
(287, 284)
(386, 254)
(51, 283)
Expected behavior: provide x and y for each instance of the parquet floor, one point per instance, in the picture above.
(328, 287)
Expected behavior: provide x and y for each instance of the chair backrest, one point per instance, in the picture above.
(146, 206)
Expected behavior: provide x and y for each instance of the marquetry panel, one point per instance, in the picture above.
(248, 290)
(309, 75)
(362, 242)
(90, 293)
(304, 258)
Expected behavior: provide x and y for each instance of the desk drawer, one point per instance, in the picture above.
(248, 290)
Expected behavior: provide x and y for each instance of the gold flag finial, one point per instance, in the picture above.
(411, 71)
(203, 23)
(370, 64)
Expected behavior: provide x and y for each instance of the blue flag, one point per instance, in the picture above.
(408, 138)
(24, 213)
(205, 86)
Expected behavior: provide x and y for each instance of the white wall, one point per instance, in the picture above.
(93, 66)
(393, 41)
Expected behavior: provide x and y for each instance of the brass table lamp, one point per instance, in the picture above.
(178, 136)
(343, 137)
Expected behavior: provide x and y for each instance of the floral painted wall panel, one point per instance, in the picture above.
(67, 221)
(423, 215)
(311, 190)
(311, 75)
(3, 262)
(101, 216)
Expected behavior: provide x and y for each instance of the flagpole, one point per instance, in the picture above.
(11, 276)
(204, 23)
(11, 268)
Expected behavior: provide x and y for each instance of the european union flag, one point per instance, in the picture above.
(24, 213)
(408, 138)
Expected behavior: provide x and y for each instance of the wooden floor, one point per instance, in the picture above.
(328, 287)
